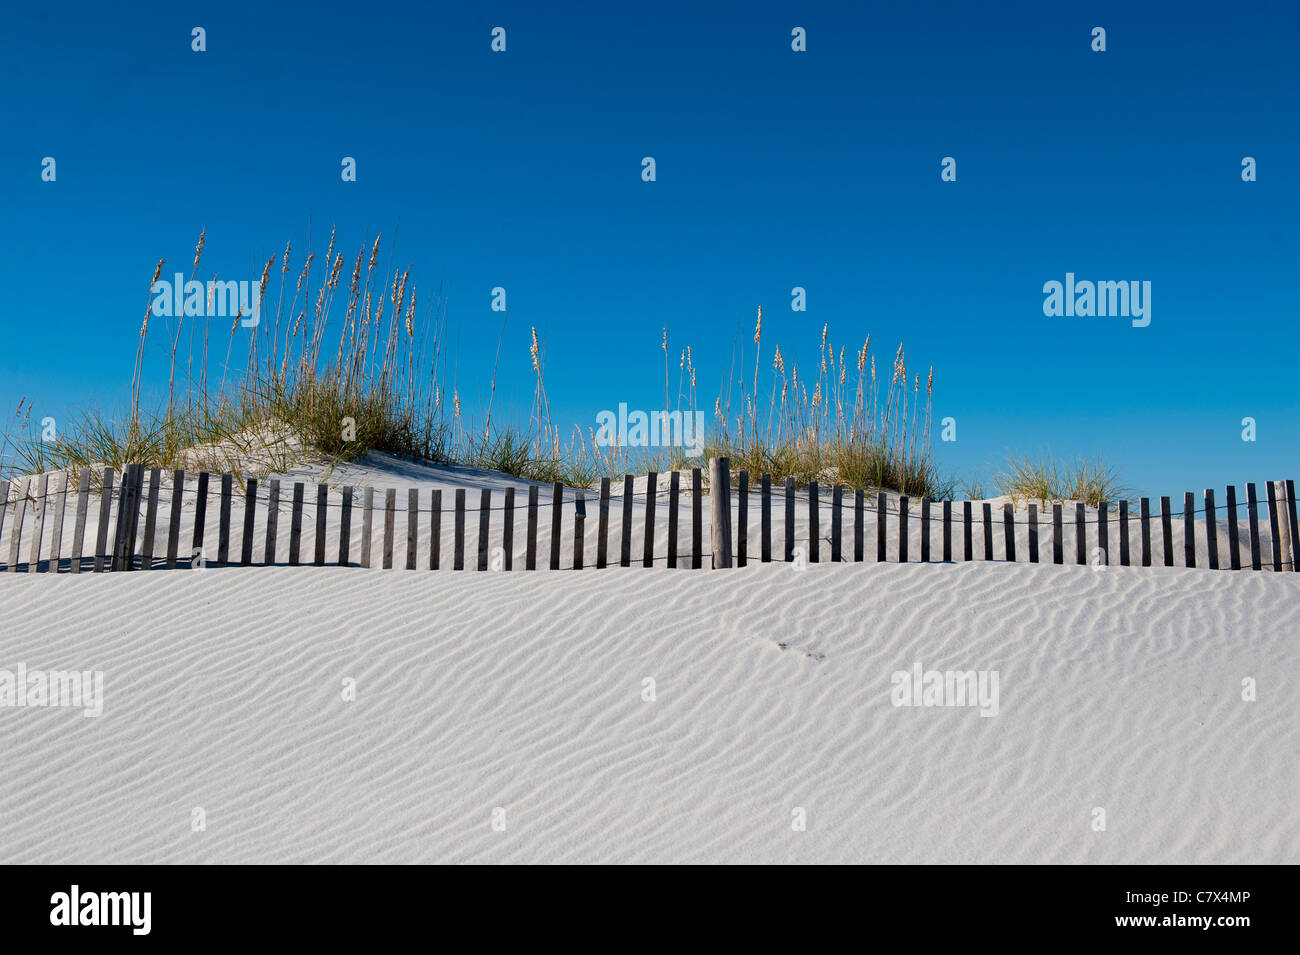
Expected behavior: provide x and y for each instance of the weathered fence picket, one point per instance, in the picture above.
(602, 525)
(530, 554)
(1211, 531)
(837, 523)
(765, 519)
(295, 524)
(625, 544)
(557, 504)
(435, 529)
(947, 531)
(674, 491)
(273, 522)
(458, 536)
(697, 519)
(1234, 549)
(38, 524)
(484, 527)
(742, 519)
(345, 526)
(651, 490)
(79, 523)
(1033, 533)
(322, 518)
(881, 529)
(508, 531)
(250, 517)
(101, 537)
(902, 529)
(814, 525)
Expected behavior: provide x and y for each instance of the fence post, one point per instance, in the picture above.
(1080, 535)
(1189, 529)
(651, 491)
(295, 524)
(484, 526)
(1058, 548)
(859, 521)
(742, 520)
(579, 519)
(101, 539)
(837, 523)
(56, 537)
(412, 526)
(367, 524)
(602, 525)
(947, 532)
(925, 529)
(508, 531)
(1273, 525)
(1009, 531)
(903, 530)
(1252, 520)
(1123, 532)
(557, 519)
(968, 545)
(273, 520)
(697, 519)
(223, 524)
(674, 492)
(322, 517)
(1294, 522)
(1103, 531)
(250, 514)
(625, 545)
(458, 541)
(1211, 531)
(79, 525)
(1144, 508)
(1284, 540)
(720, 511)
(765, 519)
(117, 560)
(814, 525)
(882, 529)
(435, 529)
(789, 520)
(200, 517)
(345, 524)
(1033, 533)
(530, 554)
(1234, 547)
(38, 524)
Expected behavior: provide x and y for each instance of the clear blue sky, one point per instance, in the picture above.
(775, 169)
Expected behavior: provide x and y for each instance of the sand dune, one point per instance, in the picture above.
(381, 472)
(1120, 689)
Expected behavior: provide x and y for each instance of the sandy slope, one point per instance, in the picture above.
(1119, 688)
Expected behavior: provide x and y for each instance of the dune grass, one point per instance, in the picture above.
(347, 358)
(1046, 479)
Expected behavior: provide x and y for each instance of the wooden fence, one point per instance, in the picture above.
(149, 520)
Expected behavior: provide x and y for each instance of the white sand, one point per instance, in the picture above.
(1119, 689)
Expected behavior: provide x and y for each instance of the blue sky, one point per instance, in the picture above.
(775, 169)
